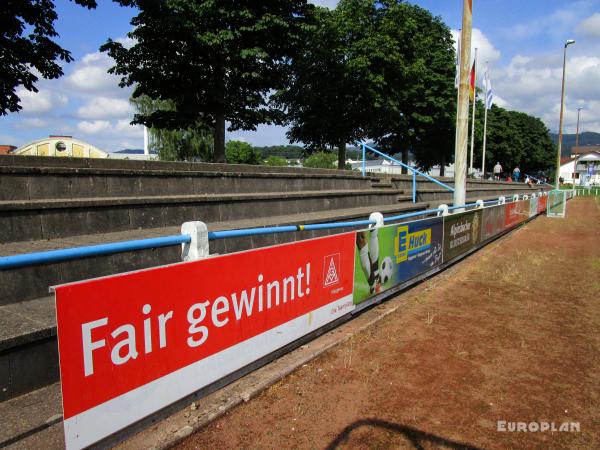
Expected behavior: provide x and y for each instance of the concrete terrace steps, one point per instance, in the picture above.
(27, 220)
(23, 183)
(12, 205)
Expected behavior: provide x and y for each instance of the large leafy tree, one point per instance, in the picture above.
(419, 110)
(27, 50)
(214, 60)
(513, 139)
(336, 79)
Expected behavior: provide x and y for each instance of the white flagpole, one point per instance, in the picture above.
(474, 103)
(457, 86)
(486, 77)
(146, 149)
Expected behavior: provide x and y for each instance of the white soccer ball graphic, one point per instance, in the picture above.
(387, 270)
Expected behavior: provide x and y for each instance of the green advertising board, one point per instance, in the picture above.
(391, 255)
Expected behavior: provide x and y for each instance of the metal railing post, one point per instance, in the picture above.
(414, 186)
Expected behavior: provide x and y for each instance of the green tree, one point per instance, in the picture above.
(321, 160)
(336, 79)
(239, 152)
(513, 139)
(27, 48)
(191, 143)
(418, 113)
(215, 61)
(275, 161)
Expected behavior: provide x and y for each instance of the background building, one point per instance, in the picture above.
(582, 167)
(67, 146)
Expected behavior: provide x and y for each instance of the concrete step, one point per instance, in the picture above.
(23, 220)
(33, 420)
(28, 354)
(30, 183)
(379, 185)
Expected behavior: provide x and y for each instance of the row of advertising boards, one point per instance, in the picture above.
(133, 343)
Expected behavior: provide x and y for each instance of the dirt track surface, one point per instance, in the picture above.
(512, 333)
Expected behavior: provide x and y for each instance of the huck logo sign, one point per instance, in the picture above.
(407, 243)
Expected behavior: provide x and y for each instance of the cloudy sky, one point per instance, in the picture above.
(521, 39)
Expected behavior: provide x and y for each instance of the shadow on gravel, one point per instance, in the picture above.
(416, 437)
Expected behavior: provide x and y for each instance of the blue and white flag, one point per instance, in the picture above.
(487, 86)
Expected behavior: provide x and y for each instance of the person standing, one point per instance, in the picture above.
(516, 174)
(497, 171)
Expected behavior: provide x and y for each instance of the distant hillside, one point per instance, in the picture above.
(134, 151)
(587, 138)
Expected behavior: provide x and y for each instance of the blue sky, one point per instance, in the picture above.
(521, 39)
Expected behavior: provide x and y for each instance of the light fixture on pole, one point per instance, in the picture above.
(562, 107)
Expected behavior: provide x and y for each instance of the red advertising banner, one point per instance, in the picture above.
(515, 213)
(542, 203)
(131, 344)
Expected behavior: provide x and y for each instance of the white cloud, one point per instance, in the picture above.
(90, 75)
(486, 52)
(590, 27)
(331, 4)
(105, 107)
(125, 129)
(43, 101)
(556, 23)
(94, 127)
(533, 84)
(33, 123)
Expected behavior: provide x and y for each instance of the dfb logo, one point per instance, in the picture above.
(331, 264)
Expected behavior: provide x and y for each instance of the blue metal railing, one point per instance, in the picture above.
(51, 256)
(401, 164)
(66, 254)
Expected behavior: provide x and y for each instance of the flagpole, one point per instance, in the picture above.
(457, 86)
(474, 103)
(462, 131)
(487, 77)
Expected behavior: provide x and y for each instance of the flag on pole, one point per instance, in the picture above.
(472, 82)
(487, 85)
(457, 77)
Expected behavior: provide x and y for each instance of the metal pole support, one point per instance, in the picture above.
(501, 200)
(197, 248)
(378, 218)
(443, 210)
(479, 204)
(414, 186)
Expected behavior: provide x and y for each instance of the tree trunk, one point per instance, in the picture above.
(443, 164)
(405, 159)
(219, 138)
(342, 156)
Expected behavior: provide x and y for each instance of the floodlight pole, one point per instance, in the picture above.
(462, 121)
(562, 107)
(576, 145)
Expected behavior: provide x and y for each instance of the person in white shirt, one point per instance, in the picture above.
(497, 171)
